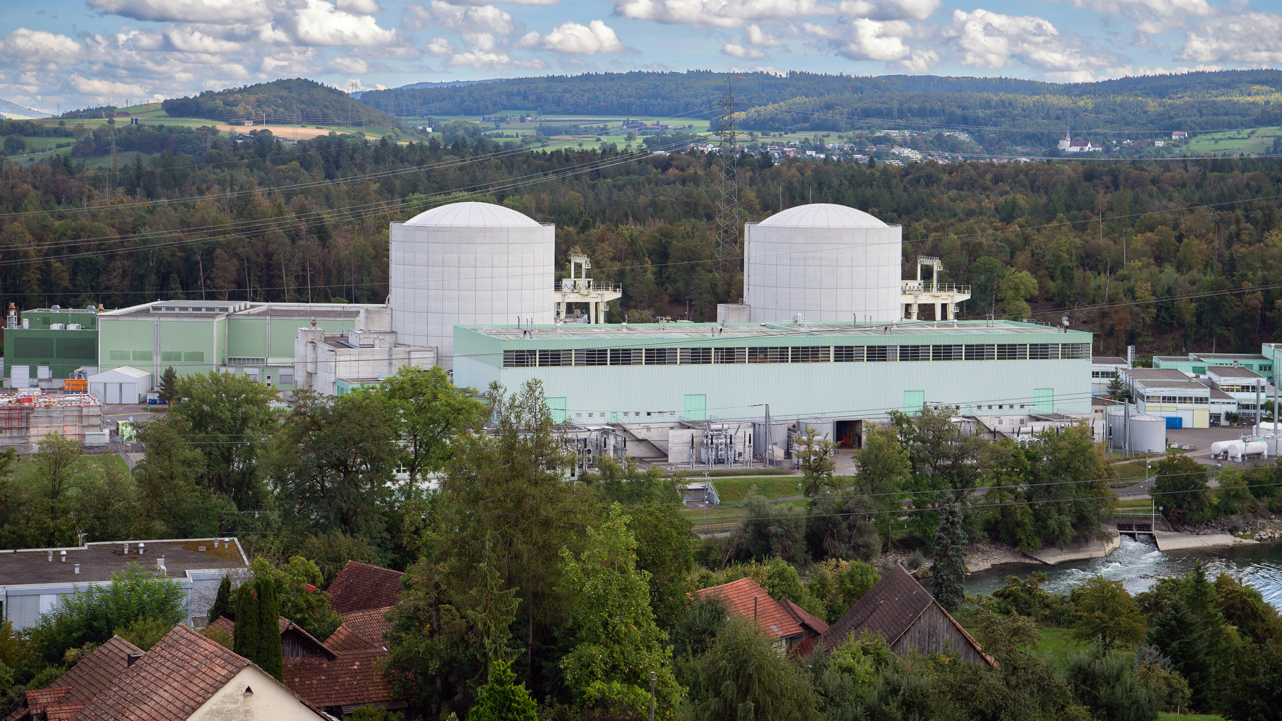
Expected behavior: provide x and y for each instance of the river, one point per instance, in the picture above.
(1139, 565)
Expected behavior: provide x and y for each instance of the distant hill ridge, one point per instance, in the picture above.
(295, 100)
(9, 109)
(694, 93)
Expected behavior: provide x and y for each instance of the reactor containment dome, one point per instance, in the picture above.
(468, 264)
(823, 263)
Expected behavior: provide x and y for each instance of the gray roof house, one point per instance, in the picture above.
(33, 579)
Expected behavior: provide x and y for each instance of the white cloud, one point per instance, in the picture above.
(754, 35)
(473, 19)
(362, 7)
(1252, 38)
(191, 11)
(992, 40)
(596, 38)
(439, 47)
(738, 13)
(38, 46)
(194, 41)
(1150, 16)
(100, 88)
(320, 23)
(864, 39)
(348, 65)
(739, 51)
(494, 61)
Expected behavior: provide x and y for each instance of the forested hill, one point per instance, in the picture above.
(668, 94)
(296, 100)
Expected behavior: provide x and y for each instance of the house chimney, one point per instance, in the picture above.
(132, 658)
(754, 608)
(160, 566)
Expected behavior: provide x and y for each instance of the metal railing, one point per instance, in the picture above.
(586, 287)
(919, 287)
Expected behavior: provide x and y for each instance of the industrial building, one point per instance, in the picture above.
(335, 363)
(847, 374)
(255, 340)
(28, 415)
(44, 345)
(1197, 363)
(1103, 369)
(468, 264)
(829, 263)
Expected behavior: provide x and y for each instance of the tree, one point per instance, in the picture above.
(1115, 387)
(492, 608)
(503, 700)
(745, 677)
(814, 457)
(1106, 613)
(1013, 291)
(168, 385)
(173, 503)
(1177, 634)
(14, 145)
(334, 460)
(1067, 496)
(296, 586)
(617, 640)
(427, 411)
(665, 552)
(94, 613)
(1182, 484)
(229, 418)
(948, 571)
(882, 465)
(222, 602)
(1255, 694)
(1106, 683)
(508, 488)
(771, 530)
(53, 473)
(107, 507)
(257, 626)
(146, 632)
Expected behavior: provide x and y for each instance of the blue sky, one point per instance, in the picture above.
(76, 53)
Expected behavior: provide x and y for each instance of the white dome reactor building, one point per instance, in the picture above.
(823, 263)
(468, 264)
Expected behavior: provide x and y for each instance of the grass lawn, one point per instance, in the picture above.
(1057, 646)
(1188, 717)
(1246, 140)
(25, 469)
(734, 490)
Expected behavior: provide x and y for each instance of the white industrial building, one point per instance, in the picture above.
(334, 363)
(827, 263)
(125, 384)
(468, 264)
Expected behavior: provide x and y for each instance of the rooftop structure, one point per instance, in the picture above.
(943, 296)
(360, 587)
(1198, 363)
(32, 580)
(1173, 394)
(62, 340)
(333, 363)
(464, 264)
(744, 598)
(579, 289)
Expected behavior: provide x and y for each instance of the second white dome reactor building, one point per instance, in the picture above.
(468, 264)
(822, 263)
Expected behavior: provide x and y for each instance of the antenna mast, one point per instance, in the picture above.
(727, 250)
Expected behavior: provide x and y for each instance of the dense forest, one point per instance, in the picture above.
(1169, 256)
(295, 101)
(808, 101)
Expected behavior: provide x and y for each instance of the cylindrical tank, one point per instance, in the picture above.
(1255, 448)
(1218, 447)
(823, 263)
(1148, 433)
(468, 264)
(1115, 421)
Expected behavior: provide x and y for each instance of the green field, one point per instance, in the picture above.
(734, 490)
(1188, 717)
(24, 471)
(1252, 141)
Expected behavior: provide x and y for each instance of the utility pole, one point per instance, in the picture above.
(728, 206)
(652, 679)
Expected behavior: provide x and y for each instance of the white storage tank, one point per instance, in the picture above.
(1115, 422)
(824, 263)
(1148, 433)
(468, 264)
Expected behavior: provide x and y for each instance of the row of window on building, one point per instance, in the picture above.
(793, 354)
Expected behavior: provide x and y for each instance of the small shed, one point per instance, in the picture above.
(120, 385)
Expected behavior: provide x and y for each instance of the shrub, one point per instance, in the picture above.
(915, 560)
(145, 632)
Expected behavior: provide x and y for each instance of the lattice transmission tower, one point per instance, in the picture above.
(727, 250)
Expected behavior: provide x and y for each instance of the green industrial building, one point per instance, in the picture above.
(250, 339)
(64, 339)
(1197, 363)
(844, 373)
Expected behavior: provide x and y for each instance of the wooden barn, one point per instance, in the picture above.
(907, 616)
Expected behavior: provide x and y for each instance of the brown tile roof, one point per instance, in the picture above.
(738, 596)
(360, 586)
(284, 624)
(354, 678)
(91, 676)
(361, 630)
(99, 560)
(889, 608)
(63, 711)
(222, 623)
(171, 681)
(803, 617)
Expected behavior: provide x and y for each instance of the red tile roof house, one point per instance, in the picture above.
(93, 675)
(361, 587)
(745, 598)
(344, 673)
(187, 676)
(906, 616)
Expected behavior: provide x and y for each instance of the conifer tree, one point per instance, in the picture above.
(502, 700)
(222, 602)
(949, 568)
(168, 385)
(257, 630)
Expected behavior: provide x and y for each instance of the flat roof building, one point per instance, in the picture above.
(1198, 363)
(704, 371)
